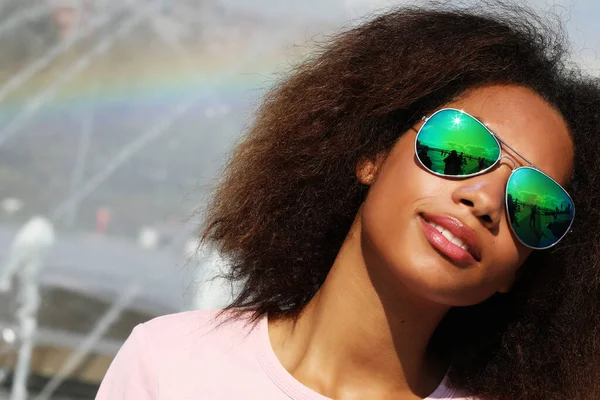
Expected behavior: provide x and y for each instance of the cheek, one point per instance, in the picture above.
(393, 201)
(390, 225)
(402, 183)
(507, 256)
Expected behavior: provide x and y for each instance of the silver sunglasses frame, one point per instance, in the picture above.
(499, 142)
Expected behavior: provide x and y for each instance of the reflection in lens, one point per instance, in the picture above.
(454, 143)
(539, 210)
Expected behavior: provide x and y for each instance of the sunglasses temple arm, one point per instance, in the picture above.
(514, 151)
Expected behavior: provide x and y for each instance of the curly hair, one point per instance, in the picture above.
(290, 194)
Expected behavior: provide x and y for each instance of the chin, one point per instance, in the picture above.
(441, 282)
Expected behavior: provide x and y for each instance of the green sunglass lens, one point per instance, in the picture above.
(539, 210)
(454, 143)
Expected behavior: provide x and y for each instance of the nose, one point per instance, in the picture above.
(484, 196)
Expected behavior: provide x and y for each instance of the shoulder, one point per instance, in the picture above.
(194, 324)
(180, 325)
(192, 331)
(160, 354)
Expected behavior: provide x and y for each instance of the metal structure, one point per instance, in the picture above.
(81, 262)
(25, 261)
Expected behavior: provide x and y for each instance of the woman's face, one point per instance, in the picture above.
(404, 196)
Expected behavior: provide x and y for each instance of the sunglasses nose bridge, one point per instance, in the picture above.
(514, 164)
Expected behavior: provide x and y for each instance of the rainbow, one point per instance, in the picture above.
(149, 85)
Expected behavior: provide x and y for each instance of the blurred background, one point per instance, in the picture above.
(116, 117)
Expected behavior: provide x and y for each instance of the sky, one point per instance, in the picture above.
(581, 17)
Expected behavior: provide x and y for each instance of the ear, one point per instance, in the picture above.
(367, 169)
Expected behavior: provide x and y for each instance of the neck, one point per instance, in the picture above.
(361, 335)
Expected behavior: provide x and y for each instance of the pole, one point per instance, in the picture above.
(83, 147)
(27, 318)
(26, 255)
(102, 325)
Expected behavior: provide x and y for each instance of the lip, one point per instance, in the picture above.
(459, 230)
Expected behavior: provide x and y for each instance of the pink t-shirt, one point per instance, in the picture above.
(190, 356)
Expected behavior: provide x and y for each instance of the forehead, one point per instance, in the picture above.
(527, 123)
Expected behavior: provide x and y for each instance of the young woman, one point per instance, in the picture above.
(402, 215)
